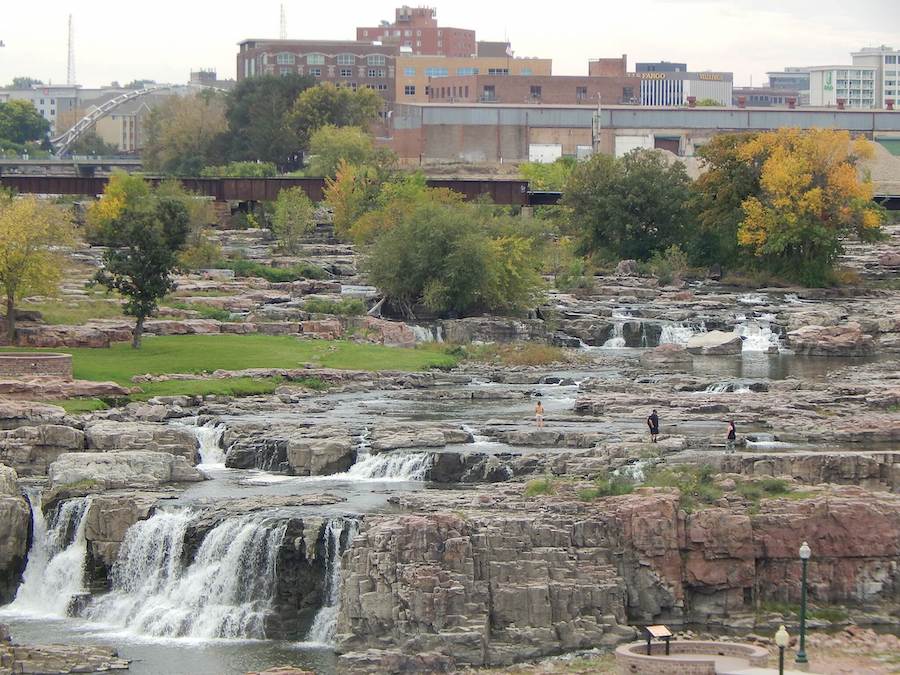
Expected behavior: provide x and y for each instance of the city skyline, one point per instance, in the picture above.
(706, 34)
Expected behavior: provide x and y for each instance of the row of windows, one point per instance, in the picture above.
(342, 72)
(890, 58)
(450, 92)
(288, 59)
(406, 33)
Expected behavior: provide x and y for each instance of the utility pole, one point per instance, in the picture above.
(70, 73)
(282, 33)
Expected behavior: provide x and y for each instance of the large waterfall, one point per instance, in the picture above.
(54, 574)
(225, 592)
(323, 628)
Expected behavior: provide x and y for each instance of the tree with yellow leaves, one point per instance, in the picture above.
(31, 232)
(810, 195)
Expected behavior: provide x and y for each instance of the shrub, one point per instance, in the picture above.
(669, 266)
(249, 268)
(201, 252)
(514, 354)
(611, 486)
(695, 484)
(294, 216)
(540, 486)
(241, 170)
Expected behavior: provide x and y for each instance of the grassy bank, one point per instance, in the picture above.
(207, 353)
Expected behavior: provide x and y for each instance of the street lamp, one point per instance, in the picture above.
(781, 639)
(805, 553)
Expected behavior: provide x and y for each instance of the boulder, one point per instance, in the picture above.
(43, 388)
(389, 333)
(325, 329)
(627, 268)
(107, 520)
(715, 342)
(319, 456)
(493, 329)
(28, 413)
(667, 356)
(30, 450)
(844, 340)
(61, 336)
(15, 525)
(127, 469)
(8, 478)
(110, 436)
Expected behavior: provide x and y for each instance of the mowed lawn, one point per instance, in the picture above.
(206, 353)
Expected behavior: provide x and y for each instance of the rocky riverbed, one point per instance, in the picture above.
(422, 521)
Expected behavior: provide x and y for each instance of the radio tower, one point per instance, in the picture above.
(283, 32)
(70, 76)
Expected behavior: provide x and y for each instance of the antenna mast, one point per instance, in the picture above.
(70, 76)
(283, 32)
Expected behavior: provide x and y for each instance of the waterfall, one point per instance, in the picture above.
(323, 627)
(226, 591)
(757, 334)
(389, 466)
(209, 436)
(723, 387)
(633, 472)
(424, 334)
(679, 333)
(54, 574)
(617, 341)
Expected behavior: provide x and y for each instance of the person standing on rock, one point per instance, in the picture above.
(732, 436)
(653, 424)
(539, 414)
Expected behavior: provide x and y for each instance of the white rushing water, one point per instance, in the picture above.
(209, 436)
(388, 466)
(757, 334)
(424, 334)
(323, 627)
(679, 333)
(732, 387)
(617, 341)
(224, 592)
(54, 574)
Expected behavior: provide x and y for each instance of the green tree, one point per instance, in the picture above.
(241, 170)
(23, 82)
(327, 104)
(31, 232)
(707, 103)
(123, 190)
(91, 144)
(330, 144)
(147, 237)
(185, 133)
(257, 126)
(717, 198)
(445, 257)
(548, 176)
(20, 122)
(294, 216)
(628, 207)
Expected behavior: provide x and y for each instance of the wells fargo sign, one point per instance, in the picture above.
(716, 77)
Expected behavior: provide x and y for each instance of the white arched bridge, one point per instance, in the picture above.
(64, 141)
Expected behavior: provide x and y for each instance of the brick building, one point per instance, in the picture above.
(418, 76)
(416, 28)
(608, 67)
(552, 90)
(344, 63)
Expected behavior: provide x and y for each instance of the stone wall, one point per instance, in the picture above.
(26, 364)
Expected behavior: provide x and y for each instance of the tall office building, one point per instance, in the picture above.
(886, 63)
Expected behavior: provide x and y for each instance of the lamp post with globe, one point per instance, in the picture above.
(805, 553)
(781, 639)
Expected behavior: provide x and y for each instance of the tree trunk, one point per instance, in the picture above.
(11, 318)
(137, 333)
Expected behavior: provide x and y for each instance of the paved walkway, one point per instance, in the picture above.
(735, 665)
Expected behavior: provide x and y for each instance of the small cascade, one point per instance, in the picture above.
(635, 472)
(226, 591)
(679, 333)
(757, 334)
(726, 387)
(209, 436)
(617, 341)
(753, 299)
(389, 466)
(424, 334)
(54, 574)
(323, 627)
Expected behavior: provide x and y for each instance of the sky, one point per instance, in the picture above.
(163, 40)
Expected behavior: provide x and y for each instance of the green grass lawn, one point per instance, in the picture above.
(206, 353)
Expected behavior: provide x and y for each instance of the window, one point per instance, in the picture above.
(535, 91)
(440, 43)
(467, 91)
(409, 90)
(52, 101)
(890, 59)
(375, 60)
(409, 72)
(52, 112)
(525, 71)
(346, 59)
(580, 93)
(467, 71)
(365, 33)
(498, 71)
(407, 33)
(315, 72)
(285, 59)
(627, 93)
(285, 71)
(436, 72)
(489, 93)
(376, 72)
(42, 101)
(396, 33)
(346, 72)
(418, 33)
(315, 59)
(418, 44)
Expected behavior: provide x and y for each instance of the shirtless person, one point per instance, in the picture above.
(539, 414)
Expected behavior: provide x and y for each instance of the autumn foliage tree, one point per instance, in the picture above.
(801, 193)
(31, 233)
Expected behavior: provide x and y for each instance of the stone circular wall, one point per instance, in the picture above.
(26, 364)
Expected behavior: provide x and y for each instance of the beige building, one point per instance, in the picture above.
(416, 74)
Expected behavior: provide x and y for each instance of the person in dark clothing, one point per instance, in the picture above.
(732, 436)
(653, 424)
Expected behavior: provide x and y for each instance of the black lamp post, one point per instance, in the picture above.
(805, 553)
(782, 639)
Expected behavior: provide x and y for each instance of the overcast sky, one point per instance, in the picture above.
(164, 39)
